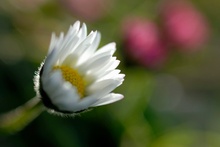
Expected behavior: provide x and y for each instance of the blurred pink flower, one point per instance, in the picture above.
(142, 42)
(89, 10)
(184, 25)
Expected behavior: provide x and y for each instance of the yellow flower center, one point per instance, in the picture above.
(72, 76)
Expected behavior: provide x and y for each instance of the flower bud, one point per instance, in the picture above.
(142, 43)
(184, 26)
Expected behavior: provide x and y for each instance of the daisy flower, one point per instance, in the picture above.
(75, 75)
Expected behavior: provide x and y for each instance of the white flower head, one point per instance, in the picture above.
(75, 75)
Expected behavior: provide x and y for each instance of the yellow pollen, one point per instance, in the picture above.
(72, 76)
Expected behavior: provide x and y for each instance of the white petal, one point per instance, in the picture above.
(111, 47)
(83, 104)
(108, 74)
(49, 62)
(62, 94)
(67, 102)
(70, 60)
(70, 36)
(96, 41)
(86, 42)
(52, 42)
(68, 49)
(76, 25)
(71, 41)
(52, 82)
(68, 44)
(83, 32)
(66, 98)
(102, 88)
(111, 65)
(94, 63)
(110, 98)
(59, 41)
(90, 50)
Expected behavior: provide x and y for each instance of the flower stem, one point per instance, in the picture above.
(17, 119)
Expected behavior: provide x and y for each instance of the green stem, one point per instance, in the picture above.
(17, 119)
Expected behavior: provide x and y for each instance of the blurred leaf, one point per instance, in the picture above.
(187, 137)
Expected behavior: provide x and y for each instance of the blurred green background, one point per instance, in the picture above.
(176, 106)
